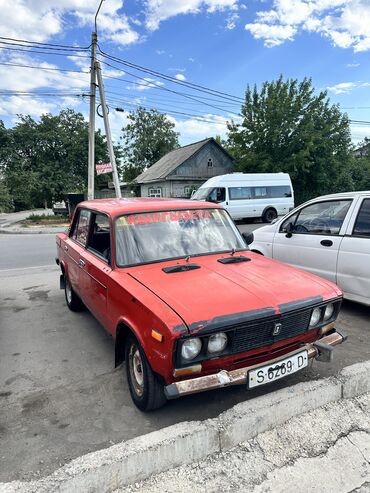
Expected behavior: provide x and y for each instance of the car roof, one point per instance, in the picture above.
(115, 207)
(345, 195)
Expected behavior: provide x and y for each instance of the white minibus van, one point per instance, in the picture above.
(247, 195)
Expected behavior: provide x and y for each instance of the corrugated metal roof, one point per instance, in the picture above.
(168, 163)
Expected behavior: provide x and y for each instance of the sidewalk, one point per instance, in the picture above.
(324, 451)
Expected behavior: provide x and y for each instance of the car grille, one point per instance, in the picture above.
(251, 335)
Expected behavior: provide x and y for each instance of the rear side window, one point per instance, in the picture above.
(362, 226)
(80, 228)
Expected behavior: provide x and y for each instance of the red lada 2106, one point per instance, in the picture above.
(189, 306)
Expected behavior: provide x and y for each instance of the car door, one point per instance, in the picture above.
(353, 271)
(313, 238)
(96, 266)
(74, 248)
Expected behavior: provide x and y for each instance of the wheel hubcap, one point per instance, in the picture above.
(136, 370)
(68, 292)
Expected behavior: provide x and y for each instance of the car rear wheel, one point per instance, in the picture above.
(73, 301)
(269, 215)
(145, 389)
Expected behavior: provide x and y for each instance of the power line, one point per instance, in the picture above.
(169, 78)
(26, 50)
(43, 68)
(149, 84)
(44, 44)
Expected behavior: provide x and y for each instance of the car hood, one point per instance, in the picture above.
(219, 294)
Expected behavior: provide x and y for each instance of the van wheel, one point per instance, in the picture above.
(146, 390)
(269, 215)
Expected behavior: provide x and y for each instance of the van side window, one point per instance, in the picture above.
(217, 195)
(240, 193)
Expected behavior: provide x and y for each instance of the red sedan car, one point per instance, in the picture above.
(189, 306)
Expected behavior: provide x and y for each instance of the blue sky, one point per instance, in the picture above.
(219, 44)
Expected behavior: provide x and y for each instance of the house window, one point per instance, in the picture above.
(210, 163)
(155, 192)
(187, 191)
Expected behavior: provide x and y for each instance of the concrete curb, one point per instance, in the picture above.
(183, 443)
(39, 231)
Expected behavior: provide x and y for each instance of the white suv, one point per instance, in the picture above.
(328, 236)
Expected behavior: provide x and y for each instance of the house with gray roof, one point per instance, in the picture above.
(180, 171)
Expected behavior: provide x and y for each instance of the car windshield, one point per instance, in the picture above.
(202, 193)
(154, 236)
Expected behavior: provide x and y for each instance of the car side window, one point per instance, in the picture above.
(99, 240)
(362, 225)
(80, 229)
(320, 218)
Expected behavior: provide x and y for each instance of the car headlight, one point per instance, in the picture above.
(217, 342)
(191, 348)
(315, 317)
(329, 310)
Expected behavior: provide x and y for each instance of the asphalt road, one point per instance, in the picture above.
(60, 396)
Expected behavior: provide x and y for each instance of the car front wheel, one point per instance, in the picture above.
(145, 389)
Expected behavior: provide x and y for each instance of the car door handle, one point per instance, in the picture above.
(81, 262)
(66, 248)
(327, 243)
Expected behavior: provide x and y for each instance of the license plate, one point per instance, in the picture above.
(277, 370)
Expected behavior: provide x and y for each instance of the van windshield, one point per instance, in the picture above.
(217, 194)
(155, 236)
(202, 193)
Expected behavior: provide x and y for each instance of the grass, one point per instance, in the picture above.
(46, 219)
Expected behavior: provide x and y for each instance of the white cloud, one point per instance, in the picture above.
(192, 129)
(342, 88)
(180, 77)
(347, 87)
(345, 22)
(39, 20)
(231, 21)
(160, 10)
(145, 84)
(24, 105)
(273, 35)
(352, 65)
(27, 79)
(191, 59)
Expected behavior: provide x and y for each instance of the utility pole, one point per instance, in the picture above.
(107, 130)
(91, 161)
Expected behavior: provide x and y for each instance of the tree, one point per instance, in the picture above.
(41, 161)
(147, 137)
(286, 127)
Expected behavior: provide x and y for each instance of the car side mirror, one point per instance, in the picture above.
(289, 230)
(248, 237)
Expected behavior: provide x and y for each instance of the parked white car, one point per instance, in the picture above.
(328, 236)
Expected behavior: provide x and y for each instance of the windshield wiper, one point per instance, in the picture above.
(234, 260)
(180, 268)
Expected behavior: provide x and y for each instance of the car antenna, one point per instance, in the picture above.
(187, 258)
(232, 252)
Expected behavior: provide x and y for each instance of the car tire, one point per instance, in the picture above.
(74, 303)
(269, 215)
(146, 390)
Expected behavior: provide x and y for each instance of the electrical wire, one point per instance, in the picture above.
(45, 44)
(169, 78)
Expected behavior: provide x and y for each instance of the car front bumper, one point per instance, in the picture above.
(320, 350)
